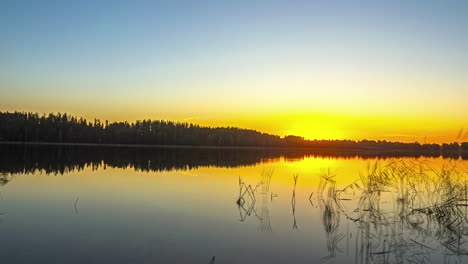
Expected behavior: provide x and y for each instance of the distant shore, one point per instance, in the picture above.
(311, 150)
(58, 158)
(63, 129)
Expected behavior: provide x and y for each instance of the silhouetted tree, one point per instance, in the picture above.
(31, 127)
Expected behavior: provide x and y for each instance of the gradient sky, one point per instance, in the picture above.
(393, 70)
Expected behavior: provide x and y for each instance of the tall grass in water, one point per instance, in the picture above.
(247, 200)
(330, 213)
(403, 211)
(293, 202)
(266, 175)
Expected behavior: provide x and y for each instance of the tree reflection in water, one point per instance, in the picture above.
(60, 159)
(398, 211)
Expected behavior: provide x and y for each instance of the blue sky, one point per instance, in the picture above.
(393, 58)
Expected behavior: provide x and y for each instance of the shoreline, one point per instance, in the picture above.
(335, 150)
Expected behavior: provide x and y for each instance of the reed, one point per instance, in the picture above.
(403, 211)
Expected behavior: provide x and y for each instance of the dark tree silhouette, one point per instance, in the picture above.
(63, 128)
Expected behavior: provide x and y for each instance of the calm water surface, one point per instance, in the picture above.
(129, 205)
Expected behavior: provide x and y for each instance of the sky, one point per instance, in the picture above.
(395, 70)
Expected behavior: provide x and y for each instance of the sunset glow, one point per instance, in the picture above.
(388, 71)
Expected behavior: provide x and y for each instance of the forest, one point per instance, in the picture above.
(64, 128)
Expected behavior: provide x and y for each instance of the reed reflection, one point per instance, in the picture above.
(247, 200)
(293, 202)
(400, 212)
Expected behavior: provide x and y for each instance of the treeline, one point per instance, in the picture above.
(31, 127)
(63, 128)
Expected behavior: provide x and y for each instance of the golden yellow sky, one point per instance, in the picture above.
(435, 128)
(390, 70)
(323, 126)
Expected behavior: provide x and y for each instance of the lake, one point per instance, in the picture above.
(94, 204)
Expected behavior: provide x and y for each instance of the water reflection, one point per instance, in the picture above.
(327, 200)
(397, 211)
(247, 200)
(293, 202)
(400, 212)
(60, 159)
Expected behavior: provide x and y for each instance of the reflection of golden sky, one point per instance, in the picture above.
(309, 169)
(189, 189)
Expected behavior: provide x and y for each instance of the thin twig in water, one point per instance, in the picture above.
(293, 202)
(212, 260)
(76, 204)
